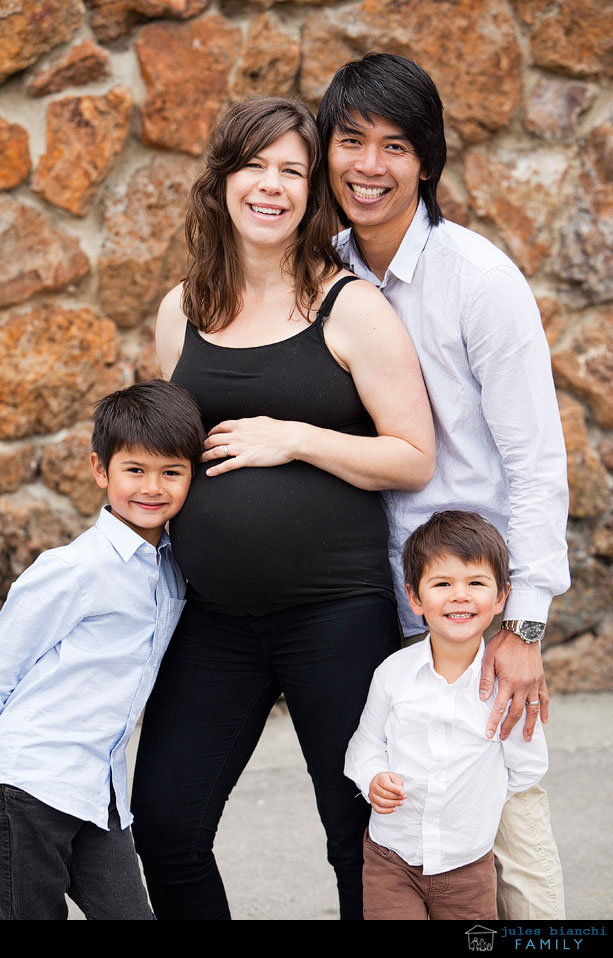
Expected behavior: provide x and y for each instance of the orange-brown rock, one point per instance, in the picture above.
(575, 38)
(554, 108)
(519, 192)
(585, 365)
(586, 249)
(143, 254)
(14, 155)
(605, 448)
(84, 135)
(29, 525)
(65, 468)
(269, 61)
(587, 477)
(84, 63)
(55, 363)
(110, 19)
(584, 664)
(28, 28)
(587, 601)
(602, 543)
(474, 61)
(17, 465)
(452, 205)
(529, 10)
(147, 365)
(552, 318)
(36, 255)
(186, 68)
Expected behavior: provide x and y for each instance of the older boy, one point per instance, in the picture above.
(82, 634)
(437, 784)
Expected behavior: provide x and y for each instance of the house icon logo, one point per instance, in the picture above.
(480, 938)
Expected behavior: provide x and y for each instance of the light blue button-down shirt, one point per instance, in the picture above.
(82, 635)
(499, 444)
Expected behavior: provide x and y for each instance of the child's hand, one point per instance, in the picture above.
(386, 792)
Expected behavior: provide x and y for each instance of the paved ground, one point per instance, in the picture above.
(271, 848)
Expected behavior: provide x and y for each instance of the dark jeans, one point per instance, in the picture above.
(219, 680)
(47, 854)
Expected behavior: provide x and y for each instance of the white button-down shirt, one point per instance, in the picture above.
(456, 780)
(82, 635)
(486, 365)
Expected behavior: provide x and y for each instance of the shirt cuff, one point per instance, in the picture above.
(530, 604)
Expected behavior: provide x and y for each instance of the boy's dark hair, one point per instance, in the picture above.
(465, 535)
(387, 85)
(157, 416)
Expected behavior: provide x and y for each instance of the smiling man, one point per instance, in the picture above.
(486, 364)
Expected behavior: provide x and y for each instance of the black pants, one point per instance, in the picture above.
(218, 682)
(47, 854)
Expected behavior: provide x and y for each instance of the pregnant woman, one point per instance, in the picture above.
(312, 398)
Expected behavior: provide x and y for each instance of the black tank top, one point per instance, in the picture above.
(257, 540)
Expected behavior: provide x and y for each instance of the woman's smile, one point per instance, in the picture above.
(267, 198)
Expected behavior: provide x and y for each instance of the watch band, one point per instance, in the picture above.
(528, 631)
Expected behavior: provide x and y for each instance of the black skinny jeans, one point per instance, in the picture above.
(219, 680)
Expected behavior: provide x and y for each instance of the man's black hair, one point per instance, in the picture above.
(383, 84)
(156, 416)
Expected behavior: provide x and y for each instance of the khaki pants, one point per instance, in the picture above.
(527, 860)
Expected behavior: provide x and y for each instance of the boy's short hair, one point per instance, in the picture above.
(156, 416)
(464, 535)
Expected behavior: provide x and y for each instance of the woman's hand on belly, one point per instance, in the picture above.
(260, 441)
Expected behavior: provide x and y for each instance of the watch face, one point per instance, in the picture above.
(532, 631)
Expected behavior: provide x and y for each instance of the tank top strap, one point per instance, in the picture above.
(326, 307)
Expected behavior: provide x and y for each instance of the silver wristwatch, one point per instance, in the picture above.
(528, 631)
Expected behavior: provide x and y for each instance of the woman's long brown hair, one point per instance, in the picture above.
(212, 289)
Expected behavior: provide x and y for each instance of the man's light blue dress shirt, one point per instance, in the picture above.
(82, 635)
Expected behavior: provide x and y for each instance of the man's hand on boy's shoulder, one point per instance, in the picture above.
(519, 669)
(386, 792)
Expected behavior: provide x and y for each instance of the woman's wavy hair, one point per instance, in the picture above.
(212, 289)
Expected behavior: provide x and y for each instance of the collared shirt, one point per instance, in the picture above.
(486, 365)
(456, 780)
(82, 635)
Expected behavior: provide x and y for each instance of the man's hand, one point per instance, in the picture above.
(386, 792)
(521, 681)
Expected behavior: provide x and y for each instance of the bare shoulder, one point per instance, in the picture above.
(170, 330)
(361, 302)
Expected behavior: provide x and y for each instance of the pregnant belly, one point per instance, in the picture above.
(258, 540)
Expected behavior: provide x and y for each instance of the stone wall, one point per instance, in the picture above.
(105, 106)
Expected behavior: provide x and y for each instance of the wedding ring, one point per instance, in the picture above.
(226, 451)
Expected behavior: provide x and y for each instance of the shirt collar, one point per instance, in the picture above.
(423, 658)
(123, 539)
(407, 255)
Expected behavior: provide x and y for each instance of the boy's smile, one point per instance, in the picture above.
(144, 489)
(457, 599)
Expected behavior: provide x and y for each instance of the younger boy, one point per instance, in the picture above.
(82, 634)
(420, 755)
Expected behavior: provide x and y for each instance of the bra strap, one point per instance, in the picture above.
(326, 307)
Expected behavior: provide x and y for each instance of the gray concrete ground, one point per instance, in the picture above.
(271, 848)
